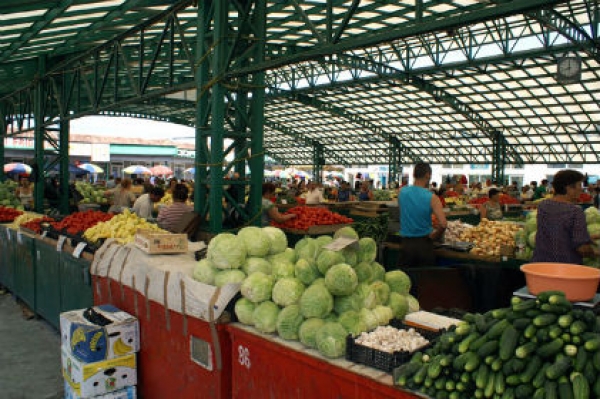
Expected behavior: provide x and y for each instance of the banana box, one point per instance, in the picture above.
(88, 380)
(126, 393)
(99, 333)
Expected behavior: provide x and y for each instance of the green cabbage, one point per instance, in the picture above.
(592, 215)
(226, 251)
(331, 340)
(363, 271)
(593, 229)
(316, 301)
(287, 291)
(309, 250)
(289, 322)
(367, 295)
(398, 281)
(352, 322)
(257, 287)
(265, 317)
(283, 268)
(328, 258)
(382, 292)
(399, 305)
(377, 272)
(324, 240)
(367, 249)
(252, 265)
(531, 225)
(346, 231)
(341, 279)
(308, 331)
(350, 256)
(531, 239)
(204, 271)
(369, 318)
(383, 314)
(344, 303)
(244, 310)
(288, 255)
(413, 304)
(277, 238)
(223, 277)
(320, 280)
(256, 241)
(306, 271)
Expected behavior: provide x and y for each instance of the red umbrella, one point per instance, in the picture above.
(161, 170)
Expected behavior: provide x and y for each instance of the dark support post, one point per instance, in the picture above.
(499, 158)
(63, 156)
(2, 138)
(318, 162)
(395, 157)
(39, 140)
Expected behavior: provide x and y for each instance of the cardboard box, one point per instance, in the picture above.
(99, 378)
(152, 242)
(127, 393)
(89, 342)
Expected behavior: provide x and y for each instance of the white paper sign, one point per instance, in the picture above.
(8, 234)
(60, 243)
(19, 237)
(340, 243)
(79, 249)
(44, 233)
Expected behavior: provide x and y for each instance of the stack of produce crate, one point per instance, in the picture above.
(98, 347)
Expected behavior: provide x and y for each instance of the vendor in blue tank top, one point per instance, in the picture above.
(416, 204)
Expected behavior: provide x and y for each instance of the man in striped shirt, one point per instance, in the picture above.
(169, 217)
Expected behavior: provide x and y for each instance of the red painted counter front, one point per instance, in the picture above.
(165, 365)
(265, 366)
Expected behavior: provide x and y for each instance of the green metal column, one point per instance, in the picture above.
(499, 158)
(217, 123)
(318, 162)
(2, 137)
(395, 157)
(39, 140)
(257, 115)
(63, 154)
(202, 109)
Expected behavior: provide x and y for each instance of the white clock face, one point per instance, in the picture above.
(569, 67)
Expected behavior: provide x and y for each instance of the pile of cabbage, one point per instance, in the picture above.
(528, 234)
(308, 293)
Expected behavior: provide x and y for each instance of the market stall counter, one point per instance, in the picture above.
(265, 365)
(7, 267)
(24, 266)
(185, 348)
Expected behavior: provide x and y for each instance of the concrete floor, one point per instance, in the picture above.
(29, 355)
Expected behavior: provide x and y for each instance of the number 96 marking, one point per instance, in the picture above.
(244, 356)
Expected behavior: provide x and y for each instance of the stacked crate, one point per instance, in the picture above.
(98, 347)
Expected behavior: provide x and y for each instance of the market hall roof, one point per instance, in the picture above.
(439, 80)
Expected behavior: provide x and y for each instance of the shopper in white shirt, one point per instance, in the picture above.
(314, 195)
(144, 205)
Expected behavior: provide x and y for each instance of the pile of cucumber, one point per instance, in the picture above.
(540, 348)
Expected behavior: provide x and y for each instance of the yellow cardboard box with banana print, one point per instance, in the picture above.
(99, 333)
(89, 380)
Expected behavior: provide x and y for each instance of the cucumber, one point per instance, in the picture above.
(589, 372)
(581, 386)
(524, 306)
(557, 309)
(499, 384)
(565, 320)
(525, 350)
(521, 323)
(551, 348)
(551, 388)
(463, 328)
(559, 300)
(524, 391)
(472, 361)
(464, 345)
(596, 360)
(440, 384)
(500, 314)
(478, 343)
(543, 297)
(428, 382)
(509, 393)
(592, 345)
(596, 388)
(540, 393)
(496, 365)
(450, 385)
(532, 367)
(558, 368)
(530, 331)
(435, 368)
(488, 348)
(513, 380)
(489, 388)
(508, 342)
(578, 327)
(540, 378)
(544, 319)
(497, 329)
(482, 376)
(555, 332)
(565, 389)
(459, 362)
(580, 360)
(570, 350)
(480, 323)
(419, 376)
(542, 334)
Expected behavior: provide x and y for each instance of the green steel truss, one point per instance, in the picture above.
(353, 82)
